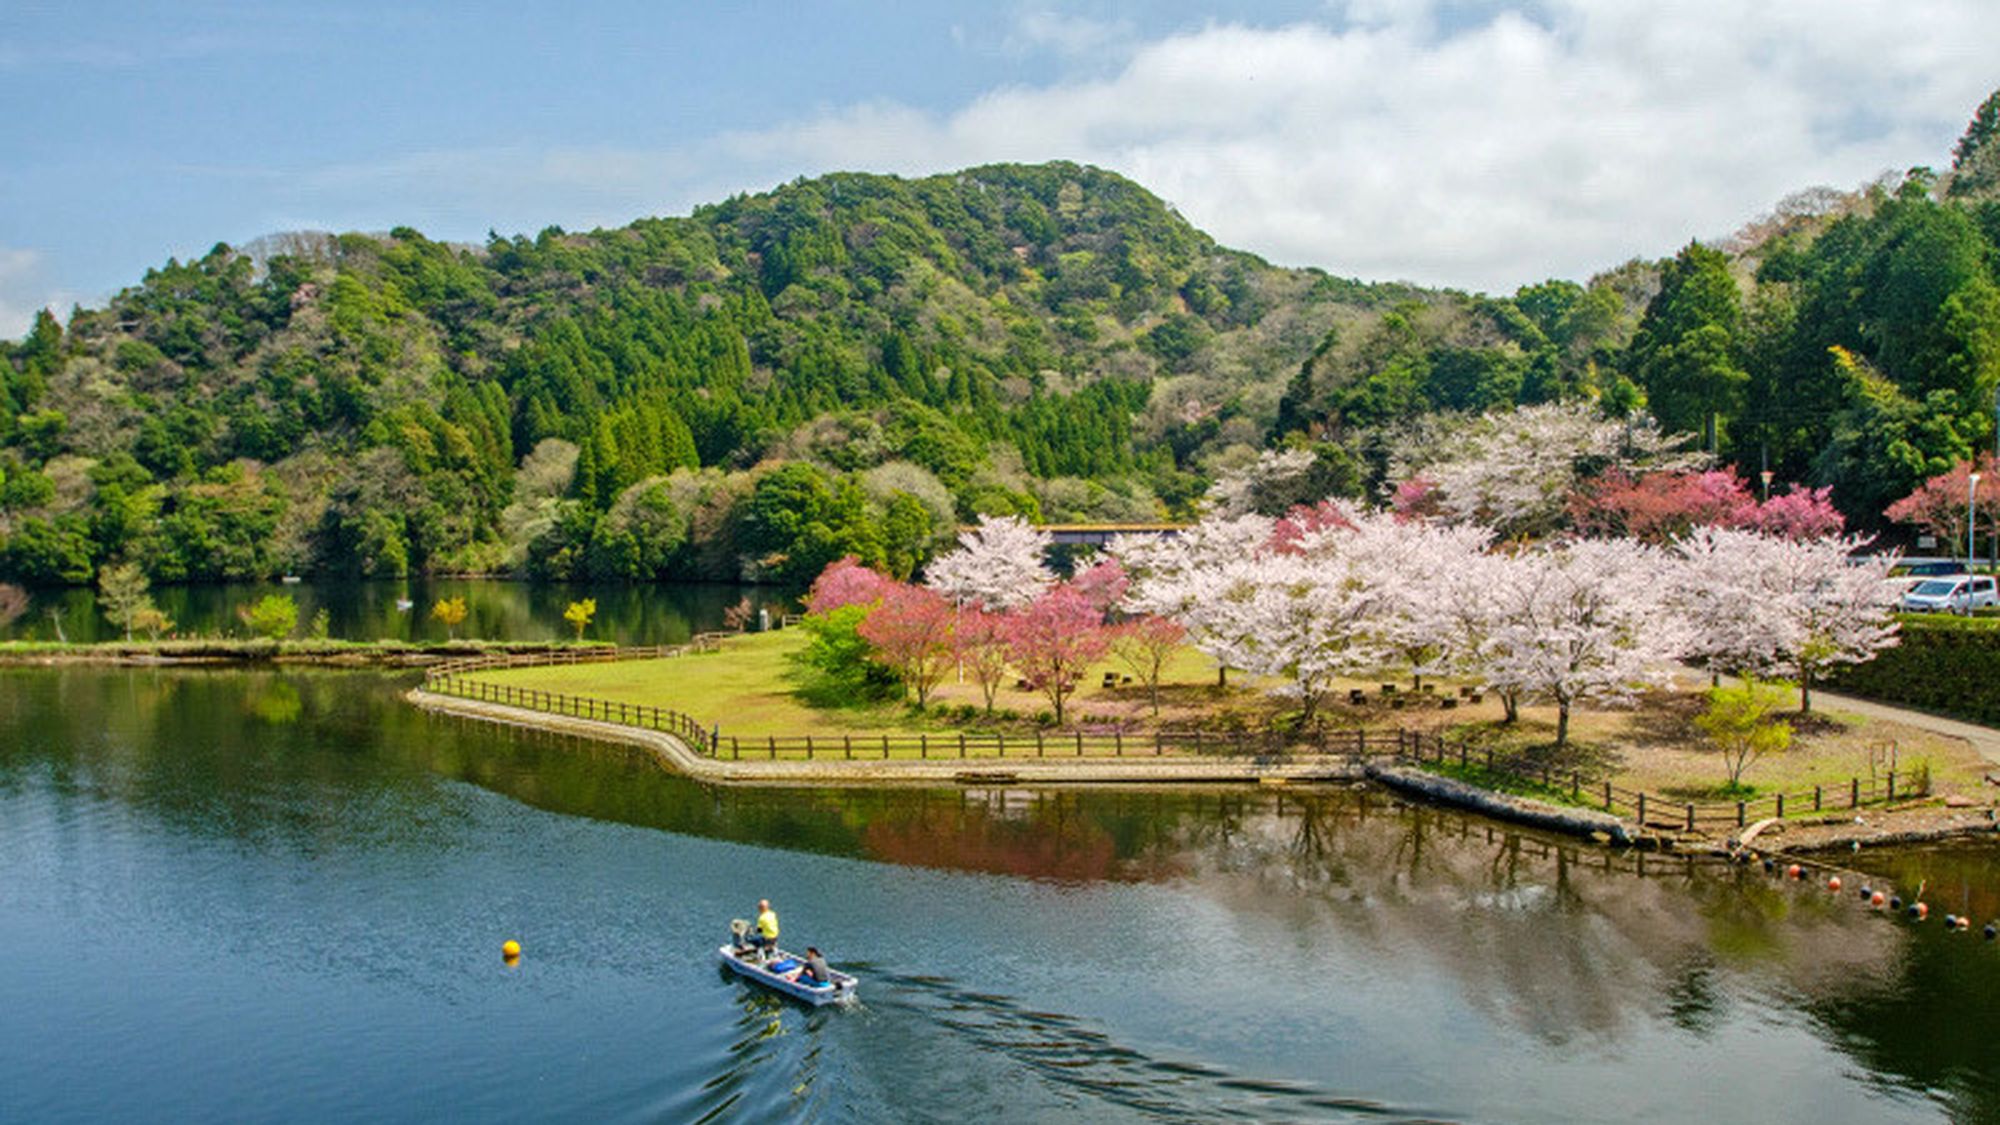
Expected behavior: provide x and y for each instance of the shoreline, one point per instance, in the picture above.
(221, 651)
(1267, 770)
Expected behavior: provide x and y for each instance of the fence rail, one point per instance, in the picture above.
(1418, 748)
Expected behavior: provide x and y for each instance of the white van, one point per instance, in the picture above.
(1956, 593)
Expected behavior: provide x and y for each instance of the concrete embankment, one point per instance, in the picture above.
(676, 755)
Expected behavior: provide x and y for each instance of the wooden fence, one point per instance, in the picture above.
(1430, 750)
(1419, 748)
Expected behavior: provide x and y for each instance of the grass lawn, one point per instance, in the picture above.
(746, 690)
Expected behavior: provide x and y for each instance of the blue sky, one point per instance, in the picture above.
(1484, 145)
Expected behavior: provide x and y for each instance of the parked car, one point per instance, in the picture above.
(1958, 593)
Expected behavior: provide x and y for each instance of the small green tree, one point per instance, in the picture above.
(322, 624)
(274, 616)
(1739, 723)
(451, 611)
(121, 592)
(579, 614)
(153, 622)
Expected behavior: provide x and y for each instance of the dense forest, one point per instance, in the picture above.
(856, 364)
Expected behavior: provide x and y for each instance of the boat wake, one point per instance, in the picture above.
(1080, 1068)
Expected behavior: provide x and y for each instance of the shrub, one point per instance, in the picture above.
(1946, 664)
(274, 616)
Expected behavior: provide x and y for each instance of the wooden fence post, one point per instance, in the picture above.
(1607, 796)
(1781, 806)
(1854, 792)
(1892, 786)
(1739, 814)
(1690, 817)
(1642, 808)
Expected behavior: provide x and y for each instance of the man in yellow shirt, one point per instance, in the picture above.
(766, 935)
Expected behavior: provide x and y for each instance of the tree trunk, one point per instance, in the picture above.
(1510, 704)
(1562, 723)
(1222, 675)
(1805, 693)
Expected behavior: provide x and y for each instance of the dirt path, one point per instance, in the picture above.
(1985, 740)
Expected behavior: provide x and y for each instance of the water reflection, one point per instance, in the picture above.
(1131, 957)
(362, 611)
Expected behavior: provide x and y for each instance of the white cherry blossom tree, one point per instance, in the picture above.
(999, 565)
(1584, 622)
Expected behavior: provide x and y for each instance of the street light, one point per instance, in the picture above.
(1766, 474)
(1971, 521)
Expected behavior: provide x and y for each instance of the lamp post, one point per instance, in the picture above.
(1766, 475)
(1971, 520)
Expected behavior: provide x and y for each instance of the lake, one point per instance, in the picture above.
(280, 896)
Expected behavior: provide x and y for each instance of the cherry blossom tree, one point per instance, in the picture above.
(1053, 641)
(1721, 591)
(911, 632)
(845, 582)
(1145, 645)
(1802, 513)
(1938, 505)
(1835, 606)
(1102, 584)
(998, 565)
(1172, 576)
(980, 647)
(1304, 619)
(1515, 470)
(1655, 507)
(1583, 622)
(1278, 479)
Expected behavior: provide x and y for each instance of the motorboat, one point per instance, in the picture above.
(783, 972)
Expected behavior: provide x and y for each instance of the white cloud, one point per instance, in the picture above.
(24, 291)
(1487, 156)
(1402, 139)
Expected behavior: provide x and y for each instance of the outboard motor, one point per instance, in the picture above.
(739, 932)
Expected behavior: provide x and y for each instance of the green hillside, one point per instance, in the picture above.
(857, 363)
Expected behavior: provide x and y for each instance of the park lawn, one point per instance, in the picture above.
(1654, 746)
(746, 691)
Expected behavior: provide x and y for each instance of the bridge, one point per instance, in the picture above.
(1099, 534)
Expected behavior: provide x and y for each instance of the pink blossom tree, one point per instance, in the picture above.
(1145, 645)
(998, 565)
(911, 632)
(845, 582)
(980, 647)
(1802, 513)
(1655, 507)
(1938, 505)
(1103, 584)
(1053, 641)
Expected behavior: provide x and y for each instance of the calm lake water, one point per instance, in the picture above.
(280, 896)
(368, 611)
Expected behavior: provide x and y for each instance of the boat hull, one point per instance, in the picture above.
(839, 990)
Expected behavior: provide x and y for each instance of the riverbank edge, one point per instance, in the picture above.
(674, 754)
(1409, 782)
(330, 653)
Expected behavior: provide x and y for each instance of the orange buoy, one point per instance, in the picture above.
(1833, 884)
(1876, 899)
(1792, 872)
(510, 948)
(1923, 910)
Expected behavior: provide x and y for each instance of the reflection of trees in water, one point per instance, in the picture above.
(1556, 940)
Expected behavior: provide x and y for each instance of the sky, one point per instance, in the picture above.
(1446, 142)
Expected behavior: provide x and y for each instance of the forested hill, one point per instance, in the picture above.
(860, 361)
(856, 364)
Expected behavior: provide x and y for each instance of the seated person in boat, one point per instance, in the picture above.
(765, 936)
(815, 971)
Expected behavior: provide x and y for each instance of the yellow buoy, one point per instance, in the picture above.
(510, 948)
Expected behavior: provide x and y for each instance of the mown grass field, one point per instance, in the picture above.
(748, 691)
